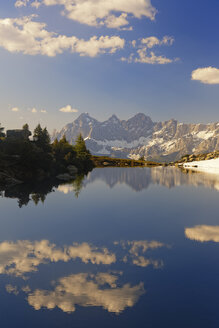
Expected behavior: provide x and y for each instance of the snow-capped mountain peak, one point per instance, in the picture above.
(140, 136)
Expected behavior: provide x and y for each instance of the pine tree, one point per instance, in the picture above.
(25, 127)
(63, 139)
(80, 146)
(41, 138)
(2, 134)
(26, 131)
(83, 154)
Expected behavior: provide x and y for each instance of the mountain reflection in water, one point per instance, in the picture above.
(119, 255)
(137, 179)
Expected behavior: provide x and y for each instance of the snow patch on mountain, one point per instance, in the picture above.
(140, 136)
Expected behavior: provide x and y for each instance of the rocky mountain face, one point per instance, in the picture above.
(140, 136)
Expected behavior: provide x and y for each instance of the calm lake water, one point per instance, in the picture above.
(125, 247)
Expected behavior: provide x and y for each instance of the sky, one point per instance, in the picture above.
(60, 58)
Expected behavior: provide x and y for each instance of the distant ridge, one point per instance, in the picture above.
(140, 136)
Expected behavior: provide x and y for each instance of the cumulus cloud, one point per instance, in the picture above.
(43, 111)
(30, 37)
(11, 289)
(136, 250)
(21, 3)
(25, 256)
(203, 233)
(144, 262)
(87, 290)
(112, 14)
(146, 56)
(15, 109)
(152, 41)
(68, 109)
(35, 4)
(143, 245)
(91, 254)
(207, 75)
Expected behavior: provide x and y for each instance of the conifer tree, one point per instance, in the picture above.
(80, 146)
(41, 138)
(25, 127)
(1, 131)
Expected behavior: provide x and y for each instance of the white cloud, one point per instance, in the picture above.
(11, 289)
(144, 262)
(143, 55)
(21, 3)
(15, 109)
(43, 111)
(25, 256)
(203, 233)
(111, 13)
(136, 250)
(143, 245)
(36, 4)
(113, 21)
(133, 43)
(207, 75)
(151, 58)
(86, 290)
(91, 254)
(68, 109)
(34, 110)
(152, 41)
(30, 37)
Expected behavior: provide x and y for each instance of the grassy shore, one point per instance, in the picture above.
(105, 161)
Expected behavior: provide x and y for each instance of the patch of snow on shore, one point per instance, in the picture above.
(210, 166)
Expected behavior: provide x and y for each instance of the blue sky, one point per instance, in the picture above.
(108, 57)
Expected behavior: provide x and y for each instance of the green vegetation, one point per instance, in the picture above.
(104, 161)
(197, 157)
(26, 160)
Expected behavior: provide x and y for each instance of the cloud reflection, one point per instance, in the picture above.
(203, 233)
(136, 250)
(25, 256)
(85, 290)
(101, 289)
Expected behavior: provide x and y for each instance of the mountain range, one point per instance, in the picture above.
(140, 136)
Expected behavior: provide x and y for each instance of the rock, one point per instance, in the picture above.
(72, 169)
(65, 177)
(106, 163)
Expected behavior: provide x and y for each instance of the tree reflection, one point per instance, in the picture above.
(38, 191)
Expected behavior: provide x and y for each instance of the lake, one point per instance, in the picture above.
(123, 247)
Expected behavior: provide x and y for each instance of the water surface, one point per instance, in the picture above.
(125, 247)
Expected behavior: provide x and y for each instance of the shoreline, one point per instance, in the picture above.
(207, 166)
